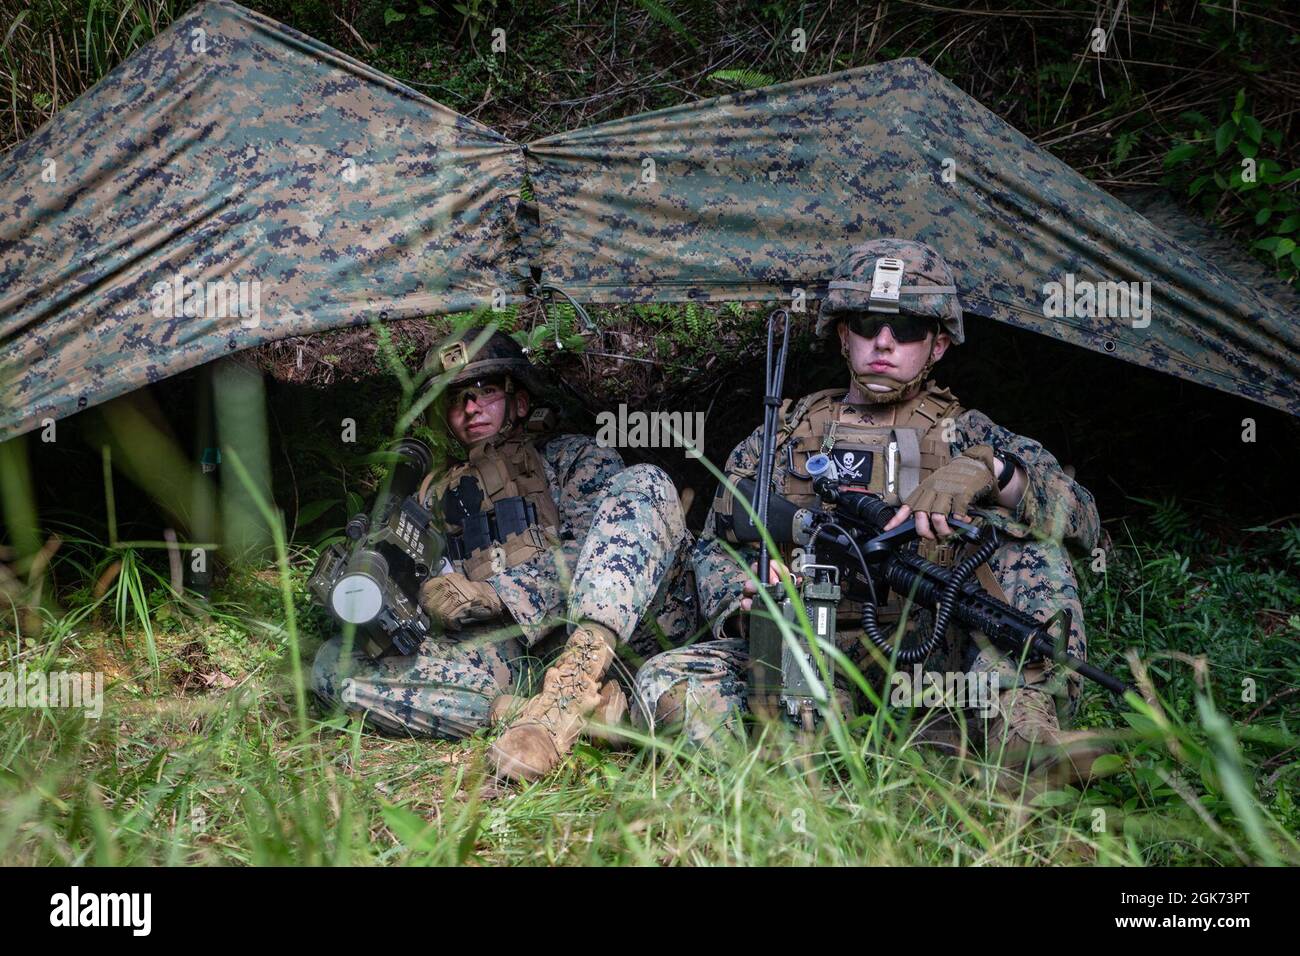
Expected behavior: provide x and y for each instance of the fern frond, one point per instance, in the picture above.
(665, 16)
(745, 79)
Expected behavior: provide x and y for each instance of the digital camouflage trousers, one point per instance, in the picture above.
(696, 689)
(632, 575)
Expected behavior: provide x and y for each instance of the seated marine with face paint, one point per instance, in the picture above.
(548, 534)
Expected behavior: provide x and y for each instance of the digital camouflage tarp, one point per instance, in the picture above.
(764, 188)
(233, 160)
(231, 149)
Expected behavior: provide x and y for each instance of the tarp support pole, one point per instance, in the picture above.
(198, 566)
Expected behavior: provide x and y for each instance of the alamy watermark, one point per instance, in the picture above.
(1086, 299)
(23, 688)
(625, 429)
(75, 908)
(977, 690)
(180, 297)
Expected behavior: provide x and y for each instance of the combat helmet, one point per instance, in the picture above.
(868, 281)
(480, 354)
(475, 354)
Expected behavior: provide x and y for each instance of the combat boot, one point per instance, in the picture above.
(1036, 753)
(609, 713)
(504, 707)
(544, 730)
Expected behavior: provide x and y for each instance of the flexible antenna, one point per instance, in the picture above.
(775, 385)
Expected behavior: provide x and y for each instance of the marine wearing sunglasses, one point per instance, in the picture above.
(903, 327)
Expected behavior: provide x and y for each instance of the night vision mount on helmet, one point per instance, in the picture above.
(893, 276)
(478, 354)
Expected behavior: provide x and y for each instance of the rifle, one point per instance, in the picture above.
(865, 562)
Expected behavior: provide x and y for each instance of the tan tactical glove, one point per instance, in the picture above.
(950, 490)
(454, 601)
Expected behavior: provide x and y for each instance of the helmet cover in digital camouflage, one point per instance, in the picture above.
(927, 287)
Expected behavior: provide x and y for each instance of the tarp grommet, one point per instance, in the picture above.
(232, 344)
(1108, 345)
(81, 401)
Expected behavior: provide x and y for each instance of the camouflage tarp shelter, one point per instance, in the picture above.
(235, 182)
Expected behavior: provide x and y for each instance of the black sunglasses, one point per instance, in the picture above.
(903, 327)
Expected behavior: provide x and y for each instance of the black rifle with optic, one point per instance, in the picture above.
(872, 561)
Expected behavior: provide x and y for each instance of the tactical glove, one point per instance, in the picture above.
(952, 488)
(454, 601)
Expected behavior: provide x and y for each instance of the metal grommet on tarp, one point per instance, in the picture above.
(1108, 345)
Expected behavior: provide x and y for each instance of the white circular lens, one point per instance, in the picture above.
(356, 598)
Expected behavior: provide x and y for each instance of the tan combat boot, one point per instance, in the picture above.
(1037, 755)
(544, 730)
(504, 707)
(609, 713)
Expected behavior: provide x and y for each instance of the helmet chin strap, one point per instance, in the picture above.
(895, 391)
(508, 422)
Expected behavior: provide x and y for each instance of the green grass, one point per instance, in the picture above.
(207, 753)
(208, 758)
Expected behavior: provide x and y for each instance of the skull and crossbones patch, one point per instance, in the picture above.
(852, 464)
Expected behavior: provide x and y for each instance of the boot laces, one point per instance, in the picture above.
(571, 677)
(1031, 715)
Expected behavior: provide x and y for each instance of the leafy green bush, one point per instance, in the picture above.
(1226, 168)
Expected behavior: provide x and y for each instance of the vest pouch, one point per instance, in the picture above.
(513, 515)
(796, 454)
(510, 552)
(476, 533)
(485, 563)
(861, 458)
